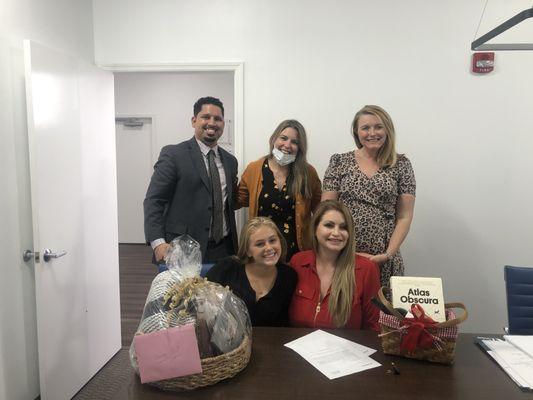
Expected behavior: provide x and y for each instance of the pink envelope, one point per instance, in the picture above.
(169, 353)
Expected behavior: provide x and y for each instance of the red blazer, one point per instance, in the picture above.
(304, 310)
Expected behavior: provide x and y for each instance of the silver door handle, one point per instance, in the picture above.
(48, 254)
(28, 255)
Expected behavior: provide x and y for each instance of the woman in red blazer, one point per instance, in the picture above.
(334, 285)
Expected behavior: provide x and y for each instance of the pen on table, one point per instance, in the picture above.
(395, 368)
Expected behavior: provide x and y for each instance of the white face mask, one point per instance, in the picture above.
(282, 158)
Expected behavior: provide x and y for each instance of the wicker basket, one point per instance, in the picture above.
(161, 312)
(443, 351)
(214, 369)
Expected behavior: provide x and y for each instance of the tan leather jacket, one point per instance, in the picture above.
(251, 185)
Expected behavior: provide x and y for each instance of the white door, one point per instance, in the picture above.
(134, 170)
(74, 205)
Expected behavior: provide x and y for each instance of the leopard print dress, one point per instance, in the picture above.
(372, 202)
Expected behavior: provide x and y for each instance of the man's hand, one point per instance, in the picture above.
(161, 251)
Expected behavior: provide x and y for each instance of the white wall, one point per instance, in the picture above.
(469, 137)
(168, 98)
(64, 25)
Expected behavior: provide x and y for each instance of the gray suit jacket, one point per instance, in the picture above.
(178, 199)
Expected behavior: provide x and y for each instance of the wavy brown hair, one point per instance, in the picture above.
(298, 180)
(387, 153)
(343, 283)
(249, 229)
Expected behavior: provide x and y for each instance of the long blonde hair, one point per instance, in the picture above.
(298, 180)
(248, 230)
(343, 283)
(387, 153)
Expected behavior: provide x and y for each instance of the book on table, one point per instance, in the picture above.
(427, 292)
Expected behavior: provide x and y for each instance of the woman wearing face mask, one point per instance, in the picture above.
(282, 185)
(334, 285)
(258, 274)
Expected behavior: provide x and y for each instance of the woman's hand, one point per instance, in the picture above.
(377, 258)
(380, 258)
(365, 255)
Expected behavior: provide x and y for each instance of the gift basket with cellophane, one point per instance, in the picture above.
(179, 297)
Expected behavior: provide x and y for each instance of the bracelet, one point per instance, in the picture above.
(389, 256)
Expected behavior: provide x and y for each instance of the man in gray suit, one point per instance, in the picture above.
(193, 189)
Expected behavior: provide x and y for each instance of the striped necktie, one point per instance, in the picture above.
(216, 190)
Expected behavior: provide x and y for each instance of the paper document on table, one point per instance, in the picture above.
(512, 374)
(333, 355)
(523, 342)
(322, 335)
(517, 364)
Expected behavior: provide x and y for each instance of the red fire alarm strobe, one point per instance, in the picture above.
(482, 63)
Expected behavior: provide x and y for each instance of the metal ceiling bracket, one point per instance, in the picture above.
(480, 44)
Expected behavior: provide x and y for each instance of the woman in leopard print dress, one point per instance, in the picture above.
(378, 186)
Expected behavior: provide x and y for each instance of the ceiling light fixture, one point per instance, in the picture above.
(481, 43)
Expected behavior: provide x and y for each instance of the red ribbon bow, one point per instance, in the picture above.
(417, 335)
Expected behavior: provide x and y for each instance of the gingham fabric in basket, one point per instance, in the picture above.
(444, 333)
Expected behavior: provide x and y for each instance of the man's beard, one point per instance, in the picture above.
(210, 139)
